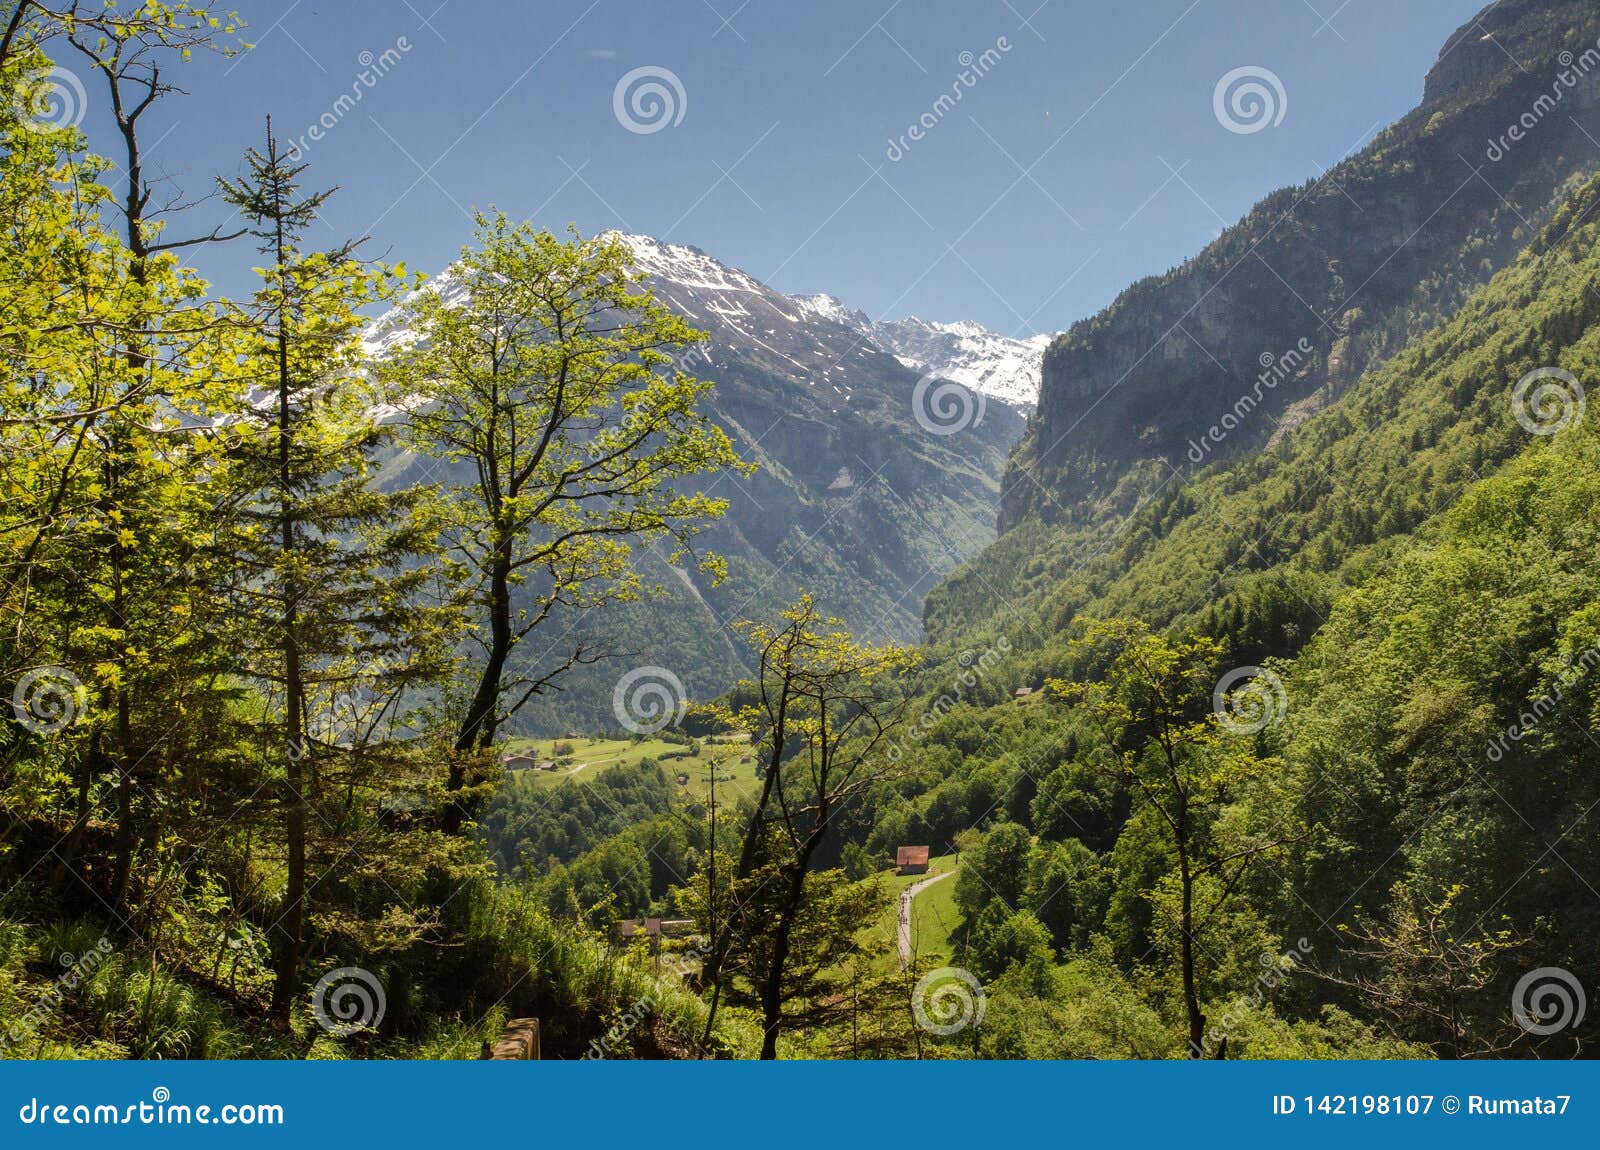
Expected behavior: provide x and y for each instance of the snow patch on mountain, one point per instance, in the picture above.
(969, 353)
(800, 331)
(827, 307)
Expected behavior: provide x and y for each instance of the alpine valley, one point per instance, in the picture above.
(1216, 679)
(859, 495)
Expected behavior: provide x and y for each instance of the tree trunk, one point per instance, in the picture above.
(478, 729)
(291, 922)
(711, 969)
(1191, 998)
(138, 272)
(772, 983)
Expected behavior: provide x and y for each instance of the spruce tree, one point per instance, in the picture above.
(339, 622)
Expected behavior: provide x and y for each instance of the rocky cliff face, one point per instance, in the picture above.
(1321, 282)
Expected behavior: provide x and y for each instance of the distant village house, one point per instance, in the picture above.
(654, 929)
(517, 761)
(912, 860)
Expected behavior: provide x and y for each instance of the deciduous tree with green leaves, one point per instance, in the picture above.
(540, 367)
(823, 708)
(1152, 700)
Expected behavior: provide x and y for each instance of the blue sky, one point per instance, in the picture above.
(1087, 154)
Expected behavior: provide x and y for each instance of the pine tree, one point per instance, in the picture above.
(340, 624)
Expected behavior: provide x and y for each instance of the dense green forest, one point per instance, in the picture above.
(1292, 757)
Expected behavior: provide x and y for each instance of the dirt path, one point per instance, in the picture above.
(906, 896)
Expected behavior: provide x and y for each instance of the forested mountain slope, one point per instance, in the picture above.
(1355, 264)
(1414, 568)
(1254, 547)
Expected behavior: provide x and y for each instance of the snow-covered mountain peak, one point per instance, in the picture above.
(801, 332)
(969, 353)
(831, 308)
(686, 266)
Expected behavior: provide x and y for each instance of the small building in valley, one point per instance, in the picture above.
(653, 929)
(912, 860)
(631, 928)
(517, 761)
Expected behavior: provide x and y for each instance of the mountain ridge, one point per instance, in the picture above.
(1354, 261)
(859, 496)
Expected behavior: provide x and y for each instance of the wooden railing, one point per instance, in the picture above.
(519, 1042)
